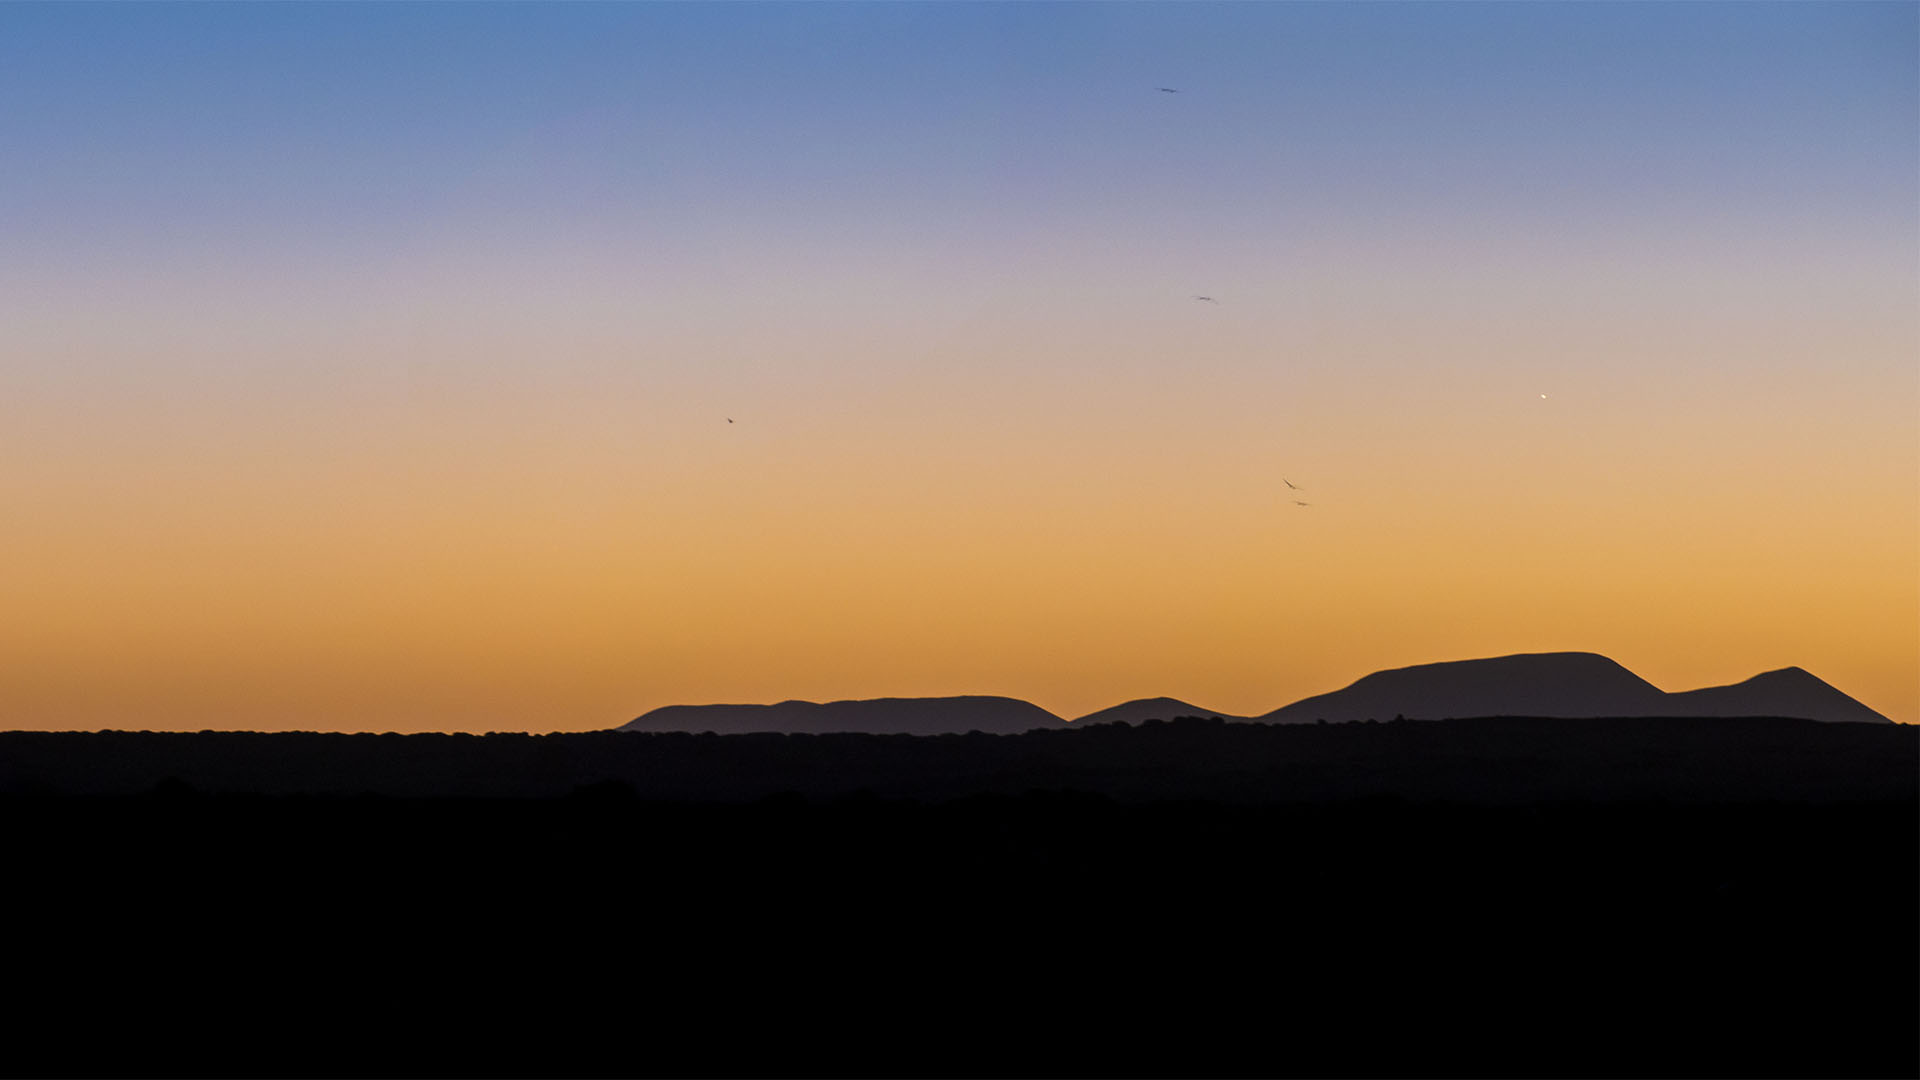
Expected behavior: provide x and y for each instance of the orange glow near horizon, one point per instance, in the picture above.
(529, 558)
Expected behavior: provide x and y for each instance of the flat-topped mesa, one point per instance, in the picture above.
(878, 716)
(1567, 684)
(1790, 691)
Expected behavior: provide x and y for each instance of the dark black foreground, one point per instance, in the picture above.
(1049, 932)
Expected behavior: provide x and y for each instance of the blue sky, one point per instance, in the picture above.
(319, 119)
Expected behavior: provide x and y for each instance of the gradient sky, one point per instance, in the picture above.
(369, 366)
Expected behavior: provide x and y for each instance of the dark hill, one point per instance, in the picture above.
(1568, 685)
(1159, 708)
(879, 716)
(1787, 692)
(1531, 684)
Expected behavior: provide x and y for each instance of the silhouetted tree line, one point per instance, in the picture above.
(1492, 760)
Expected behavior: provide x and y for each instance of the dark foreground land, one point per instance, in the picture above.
(1642, 911)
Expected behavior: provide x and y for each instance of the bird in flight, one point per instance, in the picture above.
(1290, 483)
(1297, 502)
(1207, 299)
(1166, 89)
(729, 419)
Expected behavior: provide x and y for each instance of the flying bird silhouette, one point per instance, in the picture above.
(1208, 299)
(729, 419)
(1166, 89)
(1290, 483)
(1297, 502)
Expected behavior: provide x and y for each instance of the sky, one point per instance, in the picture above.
(473, 367)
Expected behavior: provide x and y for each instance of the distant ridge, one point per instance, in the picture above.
(877, 716)
(1572, 685)
(1568, 685)
(1158, 708)
(1790, 691)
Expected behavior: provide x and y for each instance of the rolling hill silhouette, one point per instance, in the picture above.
(878, 716)
(1789, 691)
(1530, 684)
(1571, 685)
(1159, 708)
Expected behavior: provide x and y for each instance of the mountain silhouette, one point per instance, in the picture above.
(1571, 685)
(1789, 691)
(878, 716)
(1568, 684)
(1158, 708)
